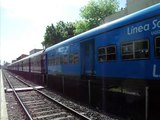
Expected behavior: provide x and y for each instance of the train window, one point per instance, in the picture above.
(135, 50)
(37, 63)
(57, 60)
(61, 59)
(141, 49)
(49, 61)
(157, 46)
(74, 58)
(52, 60)
(102, 54)
(64, 59)
(127, 51)
(71, 58)
(111, 52)
(107, 53)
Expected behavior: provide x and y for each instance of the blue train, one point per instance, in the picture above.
(114, 67)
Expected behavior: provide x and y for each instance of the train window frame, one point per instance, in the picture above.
(111, 54)
(156, 47)
(74, 58)
(133, 52)
(127, 54)
(144, 50)
(61, 59)
(105, 56)
(64, 59)
(102, 56)
(53, 60)
(57, 60)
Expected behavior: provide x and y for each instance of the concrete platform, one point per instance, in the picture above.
(3, 107)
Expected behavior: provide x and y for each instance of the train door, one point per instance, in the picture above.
(44, 68)
(88, 58)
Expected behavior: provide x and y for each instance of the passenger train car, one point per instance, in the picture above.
(114, 67)
(30, 67)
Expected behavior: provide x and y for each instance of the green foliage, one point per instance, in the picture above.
(65, 30)
(58, 33)
(81, 26)
(94, 13)
(97, 10)
(50, 37)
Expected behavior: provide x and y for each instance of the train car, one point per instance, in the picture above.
(37, 67)
(30, 67)
(114, 67)
(25, 72)
(21, 67)
(15, 67)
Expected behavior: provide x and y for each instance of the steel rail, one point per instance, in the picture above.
(18, 98)
(81, 116)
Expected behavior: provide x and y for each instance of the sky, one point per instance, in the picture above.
(23, 23)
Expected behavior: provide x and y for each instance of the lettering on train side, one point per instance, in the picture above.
(155, 24)
(155, 74)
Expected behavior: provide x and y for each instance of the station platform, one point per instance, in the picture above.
(3, 107)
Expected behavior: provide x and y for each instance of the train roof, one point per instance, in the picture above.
(30, 56)
(137, 16)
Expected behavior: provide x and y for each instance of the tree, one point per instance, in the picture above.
(51, 36)
(81, 26)
(65, 30)
(97, 10)
(58, 33)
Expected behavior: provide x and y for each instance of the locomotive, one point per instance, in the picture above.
(114, 67)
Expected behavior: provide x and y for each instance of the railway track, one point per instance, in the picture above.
(38, 105)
